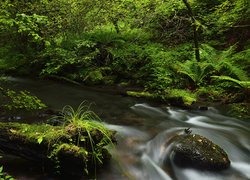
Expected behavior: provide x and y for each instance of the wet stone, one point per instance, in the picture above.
(198, 152)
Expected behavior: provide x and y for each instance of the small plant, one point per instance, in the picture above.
(88, 131)
(194, 72)
(20, 100)
(69, 115)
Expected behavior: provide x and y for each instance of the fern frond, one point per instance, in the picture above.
(223, 62)
(228, 69)
(195, 71)
(242, 84)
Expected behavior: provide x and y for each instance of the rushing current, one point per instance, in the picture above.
(144, 130)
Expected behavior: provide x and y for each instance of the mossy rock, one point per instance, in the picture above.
(198, 152)
(73, 149)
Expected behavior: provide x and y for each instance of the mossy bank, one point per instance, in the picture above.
(69, 149)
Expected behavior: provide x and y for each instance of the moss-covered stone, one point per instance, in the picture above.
(176, 97)
(143, 94)
(198, 152)
(70, 149)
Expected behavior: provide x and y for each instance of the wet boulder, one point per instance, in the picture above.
(195, 151)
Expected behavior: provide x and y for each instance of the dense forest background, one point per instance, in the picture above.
(144, 43)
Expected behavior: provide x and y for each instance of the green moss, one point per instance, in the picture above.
(84, 142)
(174, 96)
(143, 94)
(187, 97)
(207, 148)
(72, 149)
(36, 133)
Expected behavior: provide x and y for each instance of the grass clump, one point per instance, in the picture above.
(86, 129)
(78, 144)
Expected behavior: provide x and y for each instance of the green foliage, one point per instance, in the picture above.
(187, 97)
(223, 62)
(94, 76)
(226, 14)
(242, 59)
(235, 82)
(194, 72)
(211, 93)
(31, 25)
(22, 100)
(83, 121)
(59, 58)
(4, 176)
(82, 113)
(82, 135)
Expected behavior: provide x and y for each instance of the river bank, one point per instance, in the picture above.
(143, 128)
(237, 107)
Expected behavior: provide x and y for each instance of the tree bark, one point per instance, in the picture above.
(195, 34)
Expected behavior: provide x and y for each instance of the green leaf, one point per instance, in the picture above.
(40, 140)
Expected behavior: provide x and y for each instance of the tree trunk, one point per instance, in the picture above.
(115, 23)
(195, 34)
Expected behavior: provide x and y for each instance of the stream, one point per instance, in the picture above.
(143, 132)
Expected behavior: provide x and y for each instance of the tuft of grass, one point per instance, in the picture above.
(83, 121)
(82, 113)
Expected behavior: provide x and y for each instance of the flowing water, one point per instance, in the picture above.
(144, 131)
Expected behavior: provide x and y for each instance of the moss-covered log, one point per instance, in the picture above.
(68, 149)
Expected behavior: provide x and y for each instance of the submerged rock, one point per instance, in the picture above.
(198, 152)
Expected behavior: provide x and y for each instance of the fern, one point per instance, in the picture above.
(241, 84)
(243, 59)
(194, 71)
(223, 62)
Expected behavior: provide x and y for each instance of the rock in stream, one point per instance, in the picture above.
(196, 151)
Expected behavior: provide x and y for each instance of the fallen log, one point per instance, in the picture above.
(74, 149)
